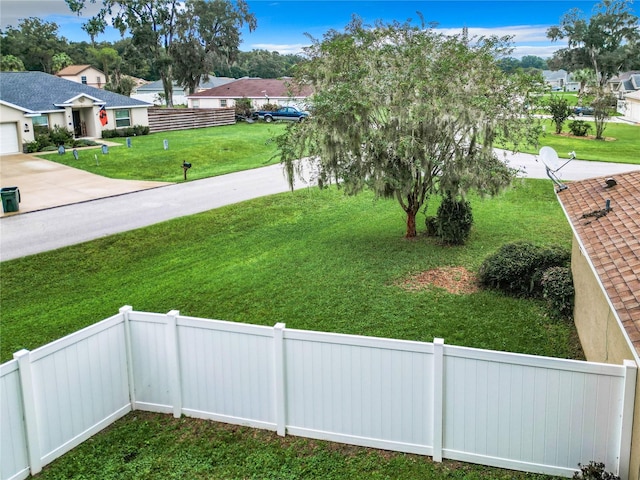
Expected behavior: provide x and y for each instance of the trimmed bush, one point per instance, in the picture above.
(60, 136)
(136, 130)
(453, 221)
(579, 128)
(517, 268)
(558, 290)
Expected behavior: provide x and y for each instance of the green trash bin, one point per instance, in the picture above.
(10, 199)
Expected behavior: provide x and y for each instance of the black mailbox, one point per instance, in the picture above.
(185, 166)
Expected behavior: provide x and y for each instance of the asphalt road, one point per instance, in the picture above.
(40, 231)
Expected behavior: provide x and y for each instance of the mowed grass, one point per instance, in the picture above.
(159, 447)
(211, 151)
(313, 259)
(621, 146)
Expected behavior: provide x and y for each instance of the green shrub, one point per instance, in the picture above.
(134, 131)
(579, 128)
(84, 143)
(517, 268)
(431, 223)
(139, 130)
(30, 147)
(453, 221)
(557, 289)
(60, 136)
(594, 471)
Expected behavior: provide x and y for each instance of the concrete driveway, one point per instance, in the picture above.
(45, 184)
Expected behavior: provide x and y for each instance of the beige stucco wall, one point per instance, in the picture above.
(95, 78)
(601, 335)
(139, 116)
(11, 115)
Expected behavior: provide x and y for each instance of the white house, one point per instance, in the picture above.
(32, 101)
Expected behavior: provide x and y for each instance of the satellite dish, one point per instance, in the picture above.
(549, 158)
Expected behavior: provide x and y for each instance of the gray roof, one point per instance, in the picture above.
(41, 92)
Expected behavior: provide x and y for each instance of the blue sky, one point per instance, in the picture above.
(282, 24)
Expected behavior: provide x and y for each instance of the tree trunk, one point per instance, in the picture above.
(411, 224)
(168, 89)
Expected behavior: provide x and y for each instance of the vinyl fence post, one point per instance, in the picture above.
(173, 362)
(125, 311)
(29, 407)
(279, 373)
(626, 431)
(438, 394)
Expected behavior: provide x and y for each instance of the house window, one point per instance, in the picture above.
(196, 103)
(99, 81)
(123, 118)
(223, 103)
(83, 79)
(40, 124)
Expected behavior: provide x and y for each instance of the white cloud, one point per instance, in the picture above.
(526, 39)
(282, 49)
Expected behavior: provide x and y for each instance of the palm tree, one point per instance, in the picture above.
(586, 77)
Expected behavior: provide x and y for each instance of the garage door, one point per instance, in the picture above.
(8, 138)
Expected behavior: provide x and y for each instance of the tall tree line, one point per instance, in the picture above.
(35, 44)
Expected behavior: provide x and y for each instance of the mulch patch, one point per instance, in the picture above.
(456, 280)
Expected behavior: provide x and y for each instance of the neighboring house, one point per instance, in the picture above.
(153, 92)
(624, 83)
(560, 80)
(631, 108)
(625, 87)
(605, 263)
(84, 74)
(32, 101)
(258, 90)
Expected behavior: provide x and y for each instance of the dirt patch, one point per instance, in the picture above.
(456, 280)
(586, 137)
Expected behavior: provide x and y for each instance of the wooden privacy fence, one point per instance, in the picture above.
(501, 409)
(165, 119)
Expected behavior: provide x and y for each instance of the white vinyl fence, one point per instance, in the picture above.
(507, 410)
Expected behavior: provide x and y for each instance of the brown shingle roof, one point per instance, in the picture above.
(611, 241)
(73, 70)
(256, 88)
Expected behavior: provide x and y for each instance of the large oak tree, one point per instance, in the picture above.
(157, 27)
(409, 113)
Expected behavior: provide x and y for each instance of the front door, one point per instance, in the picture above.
(77, 124)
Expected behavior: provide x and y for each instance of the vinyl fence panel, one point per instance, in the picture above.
(365, 391)
(524, 412)
(227, 371)
(14, 460)
(494, 408)
(152, 387)
(79, 383)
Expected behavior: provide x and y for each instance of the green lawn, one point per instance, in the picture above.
(622, 144)
(211, 151)
(313, 259)
(159, 447)
(219, 150)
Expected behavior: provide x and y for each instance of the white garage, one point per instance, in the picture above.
(9, 139)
